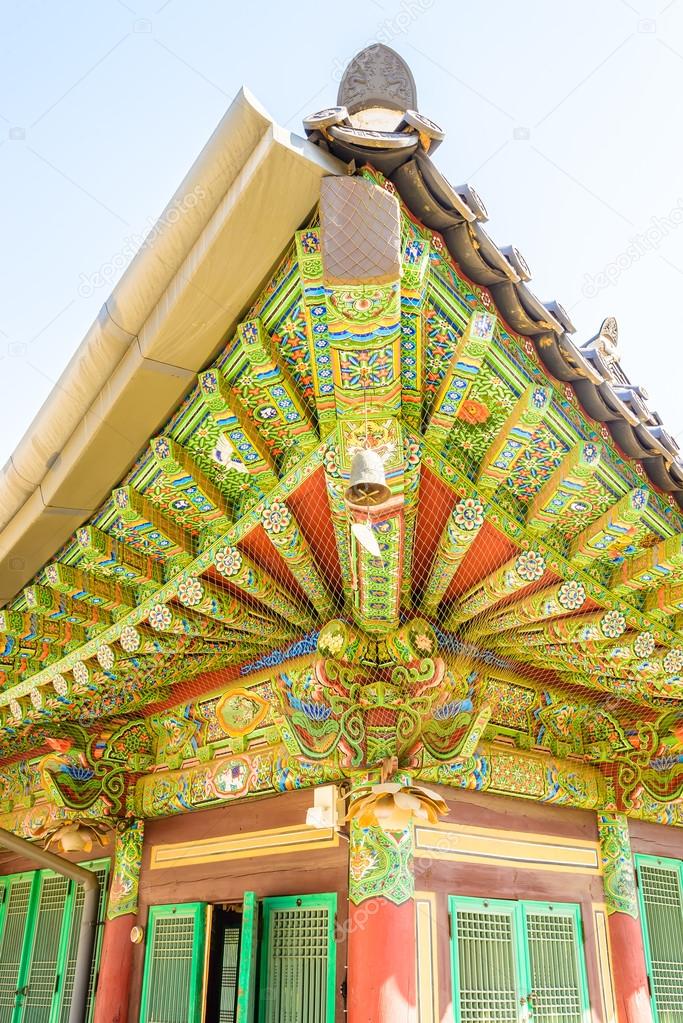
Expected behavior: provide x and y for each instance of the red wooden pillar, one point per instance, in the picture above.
(116, 961)
(381, 983)
(629, 971)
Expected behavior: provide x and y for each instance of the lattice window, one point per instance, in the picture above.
(298, 957)
(69, 968)
(45, 949)
(174, 964)
(12, 926)
(554, 967)
(661, 903)
(488, 982)
(515, 961)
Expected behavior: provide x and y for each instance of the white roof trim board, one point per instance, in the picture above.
(251, 187)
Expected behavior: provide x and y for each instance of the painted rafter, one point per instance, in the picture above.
(109, 558)
(524, 569)
(269, 393)
(560, 599)
(514, 438)
(147, 528)
(110, 595)
(200, 501)
(414, 278)
(44, 601)
(613, 531)
(552, 505)
(240, 436)
(659, 565)
(462, 529)
(462, 372)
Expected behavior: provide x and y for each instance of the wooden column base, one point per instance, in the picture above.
(116, 962)
(382, 958)
(630, 974)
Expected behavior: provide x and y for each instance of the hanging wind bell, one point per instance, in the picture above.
(367, 485)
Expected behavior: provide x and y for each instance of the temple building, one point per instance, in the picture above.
(341, 641)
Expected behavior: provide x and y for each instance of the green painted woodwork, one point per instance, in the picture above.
(298, 960)
(246, 981)
(660, 894)
(39, 929)
(16, 921)
(517, 961)
(44, 966)
(173, 981)
(556, 968)
(69, 945)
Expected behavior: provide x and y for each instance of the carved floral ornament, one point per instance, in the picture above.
(394, 807)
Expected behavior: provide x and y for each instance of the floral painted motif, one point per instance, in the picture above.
(209, 382)
(228, 561)
(161, 447)
(330, 461)
(412, 452)
(60, 685)
(36, 698)
(276, 517)
(160, 617)
(105, 656)
(423, 643)
(469, 514)
(644, 644)
(539, 398)
(530, 565)
(190, 592)
(129, 639)
(613, 624)
(673, 660)
(81, 673)
(473, 412)
(571, 595)
(310, 242)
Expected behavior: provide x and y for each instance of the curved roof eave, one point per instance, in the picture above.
(213, 246)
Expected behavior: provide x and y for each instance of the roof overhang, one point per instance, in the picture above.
(213, 247)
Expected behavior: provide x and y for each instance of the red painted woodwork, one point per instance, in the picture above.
(628, 966)
(382, 958)
(116, 963)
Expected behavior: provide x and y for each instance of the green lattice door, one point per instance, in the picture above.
(298, 963)
(39, 927)
(175, 956)
(246, 978)
(517, 962)
(69, 946)
(18, 902)
(660, 892)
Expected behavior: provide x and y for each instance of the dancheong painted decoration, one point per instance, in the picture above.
(402, 536)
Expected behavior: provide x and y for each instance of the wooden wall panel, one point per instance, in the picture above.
(480, 880)
(656, 839)
(292, 873)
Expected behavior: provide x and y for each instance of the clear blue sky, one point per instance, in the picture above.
(565, 116)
